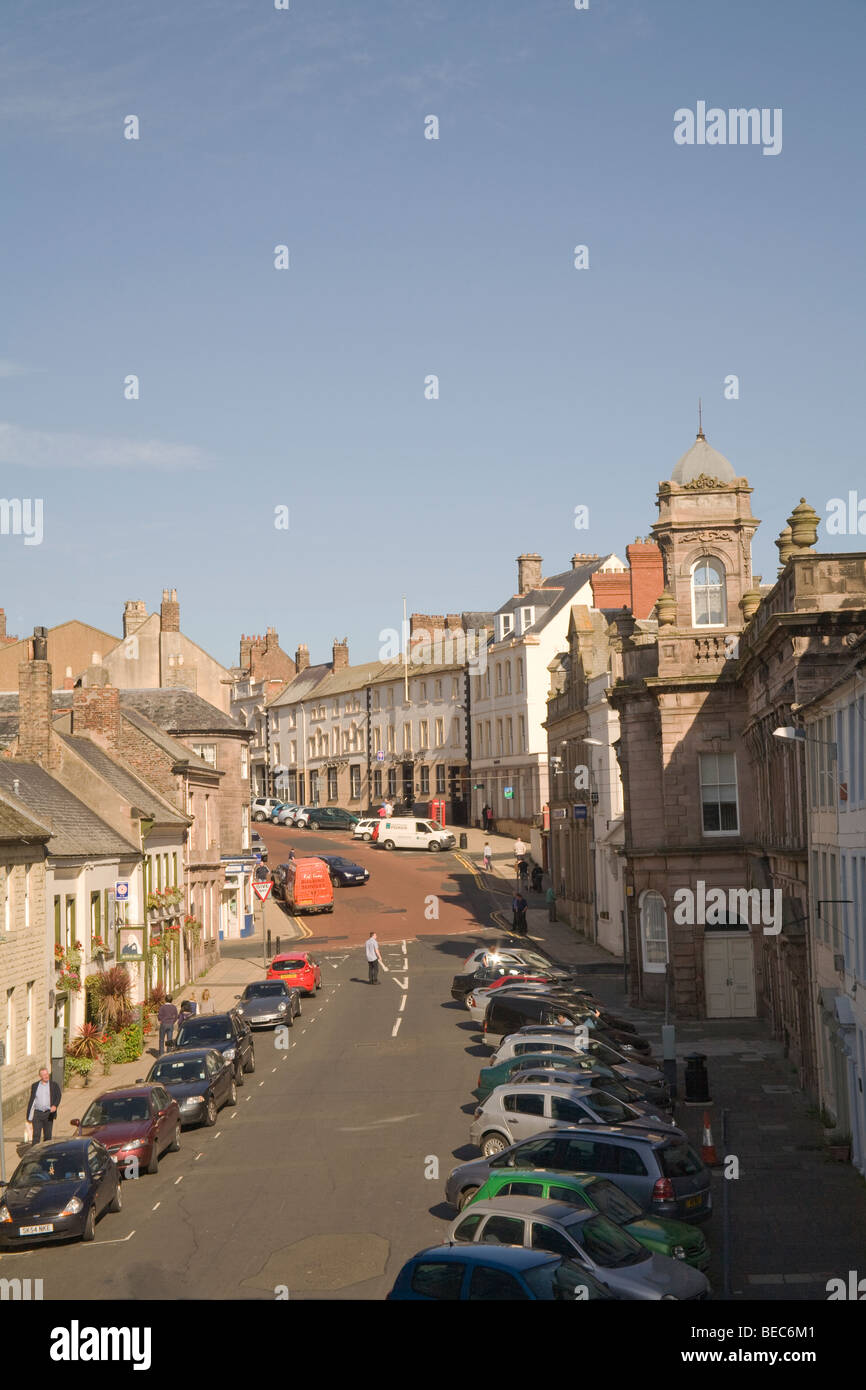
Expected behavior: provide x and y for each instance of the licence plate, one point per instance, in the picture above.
(693, 1202)
(35, 1230)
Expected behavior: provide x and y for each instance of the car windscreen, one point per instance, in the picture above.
(613, 1202)
(62, 1166)
(117, 1110)
(610, 1108)
(263, 988)
(608, 1245)
(175, 1069)
(679, 1161)
(205, 1030)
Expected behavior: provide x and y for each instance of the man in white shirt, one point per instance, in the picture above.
(42, 1106)
(374, 960)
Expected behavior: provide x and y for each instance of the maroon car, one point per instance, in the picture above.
(134, 1122)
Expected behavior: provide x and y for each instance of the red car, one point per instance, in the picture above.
(299, 971)
(136, 1122)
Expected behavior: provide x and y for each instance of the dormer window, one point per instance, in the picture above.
(504, 626)
(527, 618)
(709, 597)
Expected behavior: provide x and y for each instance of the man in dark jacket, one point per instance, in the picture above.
(167, 1017)
(518, 909)
(42, 1106)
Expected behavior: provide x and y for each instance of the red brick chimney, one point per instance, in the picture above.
(611, 590)
(35, 709)
(340, 652)
(302, 657)
(169, 611)
(647, 576)
(96, 708)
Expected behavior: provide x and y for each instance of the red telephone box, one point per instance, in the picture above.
(437, 811)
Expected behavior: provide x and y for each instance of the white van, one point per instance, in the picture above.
(411, 832)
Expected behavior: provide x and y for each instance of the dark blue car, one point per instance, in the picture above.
(343, 871)
(493, 1273)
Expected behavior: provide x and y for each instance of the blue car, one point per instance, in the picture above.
(343, 871)
(493, 1273)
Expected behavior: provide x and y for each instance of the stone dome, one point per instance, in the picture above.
(701, 460)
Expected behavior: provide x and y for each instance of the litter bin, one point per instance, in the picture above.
(697, 1081)
(464, 842)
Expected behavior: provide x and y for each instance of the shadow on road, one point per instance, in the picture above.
(443, 1210)
(466, 1152)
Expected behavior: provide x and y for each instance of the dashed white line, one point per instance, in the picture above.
(197, 1157)
(396, 1028)
(261, 1083)
(273, 1069)
(218, 1133)
(177, 1180)
(403, 1003)
(159, 1204)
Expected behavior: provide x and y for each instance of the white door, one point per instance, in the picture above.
(729, 975)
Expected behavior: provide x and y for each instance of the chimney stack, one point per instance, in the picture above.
(2, 624)
(579, 559)
(97, 709)
(528, 573)
(302, 657)
(134, 614)
(35, 708)
(340, 653)
(169, 612)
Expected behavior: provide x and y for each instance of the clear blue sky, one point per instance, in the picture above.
(409, 257)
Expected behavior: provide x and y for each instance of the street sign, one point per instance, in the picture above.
(508, 793)
(121, 891)
(380, 756)
(580, 813)
(262, 890)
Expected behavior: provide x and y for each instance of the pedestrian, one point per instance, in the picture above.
(487, 857)
(207, 1004)
(42, 1105)
(522, 873)
(537, 875)
(551, 904)
(519, 849)
(491, 828)
(167, 1017)
(389, 809)
(518, 911)
(374, 959)
(382, 811)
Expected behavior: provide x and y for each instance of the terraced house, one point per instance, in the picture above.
(26, 966)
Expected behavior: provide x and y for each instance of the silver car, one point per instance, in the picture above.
(515, 1112)
(611, 1254)
(563, 1041)
(611, 1086)
(285, 814)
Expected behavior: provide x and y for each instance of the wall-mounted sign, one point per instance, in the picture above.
(580, 812)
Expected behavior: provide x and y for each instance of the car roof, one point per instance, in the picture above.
(191, 1054)
(203, 1018)
(504, 1256)
(123, 1091)
(551, 1175)
(531, 1206)
(635, 1133)
(72, 1143)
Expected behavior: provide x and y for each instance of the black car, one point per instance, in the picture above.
(331, 818)
(576, 999)
(227, 1034)
(344, 871)
(514, 1011)
(58, 1192)
(269, 1003)
(200, 1079)
(484, 975)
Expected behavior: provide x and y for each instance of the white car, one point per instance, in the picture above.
(263, 807)
(364, 829)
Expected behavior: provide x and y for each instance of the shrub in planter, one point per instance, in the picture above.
(76, 1069)
(130, 1043)
(88, 1044)
(115, 999)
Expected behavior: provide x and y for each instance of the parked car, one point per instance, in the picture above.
(298, 970)
(269, 1003)
(258, 847)
(263, 807)
(200, 1080)
(515, 953)
(285, 814)
(58, 1192)
(477, 1001)
(490, 1273)
(514, 1011)
(226, 1033)
(363, 829)
(608, 1251)
(133, 1122)
(481, 976)
(514, 1112)
(326, 818)
(410, 832)
(344, 871)
(307, 885)
(573, 997)
(675, 1239)
(563, 1042)
(658, 1169)
(553, 1063)
(610, 1085)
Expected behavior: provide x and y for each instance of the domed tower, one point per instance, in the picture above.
(704, 531)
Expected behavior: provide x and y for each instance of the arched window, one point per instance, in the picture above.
(653, 933)
(709, 598)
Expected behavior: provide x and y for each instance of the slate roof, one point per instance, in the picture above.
(17, 824)
(176, 750)
(555, 593)
(303, 685)
(181, 712)
(76, 831)
(134, 792)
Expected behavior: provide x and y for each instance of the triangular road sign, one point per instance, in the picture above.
(263, 889)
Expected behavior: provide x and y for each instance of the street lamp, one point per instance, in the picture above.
(787, 731)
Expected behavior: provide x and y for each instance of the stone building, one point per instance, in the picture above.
(263, 672)
(26, 964)
(154, 654)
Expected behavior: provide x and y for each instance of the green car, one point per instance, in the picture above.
(676, 1239)
(500, 1075)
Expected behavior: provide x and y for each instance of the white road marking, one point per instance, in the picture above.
(392, 1120)
(159, 1204)
(261, 1083)
(177, 1180)
(402, 1003)
(403, 985)
(403, 944)
(396, 1028)
(219, 1132)
(197, 1157)
(247, 1097)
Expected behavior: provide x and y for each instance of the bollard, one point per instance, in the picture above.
(269, 941)
(669, 1055)
(697, 1081)
(464, 840)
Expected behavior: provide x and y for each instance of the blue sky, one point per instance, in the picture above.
(305, 388)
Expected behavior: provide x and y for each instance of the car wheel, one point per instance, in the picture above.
(366, 836)
(318, 984)
(89, 1231)
(434, 845)
(314, 825)
(493, 1144)
(233, 1093)
(466, 1196)
(174, 1146)
(251, 1064)
(290, 1021)
(116, 1202)
(258, 815)
(153, 1162)
(388, 844)
(210, 1114)
(239, 1076)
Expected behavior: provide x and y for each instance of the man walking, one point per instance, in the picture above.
(42, 1105)
(167, 1017)
(519, 852)
(551, 904)
(518, 914)
(374, 960)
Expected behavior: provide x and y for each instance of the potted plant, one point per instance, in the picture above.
(76, 1071)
